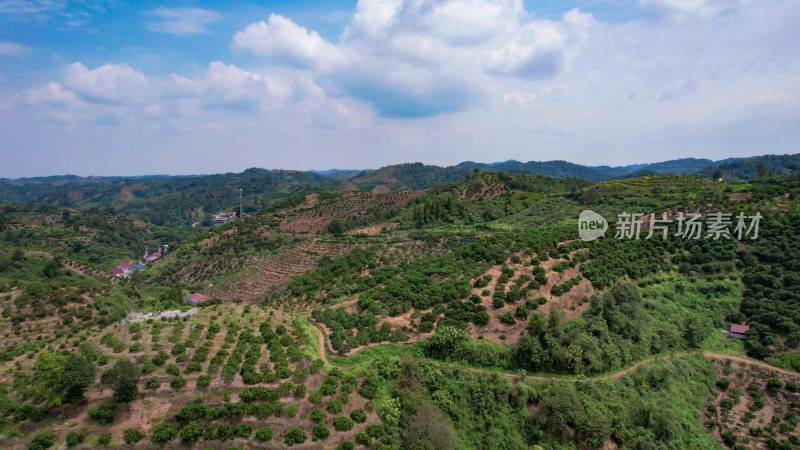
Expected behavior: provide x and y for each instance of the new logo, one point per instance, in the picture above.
(591, 225)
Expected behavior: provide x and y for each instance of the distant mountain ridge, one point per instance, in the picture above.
(185, 199)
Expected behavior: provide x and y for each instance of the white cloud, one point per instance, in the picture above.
(488, 79)
(110, 83)
(420, 58)
(281, 39)
(181, 21)
(54, 95)
(699, 7)
(30, 7)
(8, 48)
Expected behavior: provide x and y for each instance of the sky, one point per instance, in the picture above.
(131, 88)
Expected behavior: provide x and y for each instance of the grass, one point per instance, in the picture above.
(363, 358)
(311, 347)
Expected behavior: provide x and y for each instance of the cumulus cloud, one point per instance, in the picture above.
(181, 21)
(421, 58)
(116, 94)
(109, 83)
(281, 39)
(445, 80)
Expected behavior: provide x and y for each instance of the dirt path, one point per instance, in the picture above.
(747, 360)
(323, 350)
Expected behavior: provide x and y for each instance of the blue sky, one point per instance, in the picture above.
(124, 88)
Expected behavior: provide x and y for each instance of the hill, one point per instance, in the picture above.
(172, 201)
(95, 239)
(684, 166)
(412, 319)
(749, 168)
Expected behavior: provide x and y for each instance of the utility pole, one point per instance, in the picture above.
(240, 193)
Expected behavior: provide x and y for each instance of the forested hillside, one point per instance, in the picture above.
(750, 168)
(465, 315)
(183, 200)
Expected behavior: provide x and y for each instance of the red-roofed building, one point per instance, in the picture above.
(207, 286)
(118, 272)
(741, 329)
(197, 298)
(126, 268)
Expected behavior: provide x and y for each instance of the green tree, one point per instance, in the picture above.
(124, 376)
(104, 438)
(164, 433)
(49, 375)
(131, 436)
(336, 227)
(79, 373)
(295, 435)
(42, 441)
(320, 432)
(191, 433)
(264, 434)
(103, 413)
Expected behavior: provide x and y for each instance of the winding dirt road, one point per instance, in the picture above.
(323, 350)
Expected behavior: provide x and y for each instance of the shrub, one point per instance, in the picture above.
(225, 432)
(363, 438)
(264, 434)
(728, 437)
(774, 383)
(508, 318)
(368, 388)
(178, 382)
(295, 435)
(244, 430)
(203, 381)
(164, 433)
(498, 302)
(300, 390)
(160, 358)
(426, 326)
(179, 348)
(191, 433)
(104, 438)
(102, 413)
(42, 441)
(342, 424)
(374, 430)
(358, 415)
(75, 438)
(320, 432)
(152, 383)
(723, 383)
(346, 445)
(132, 436)
(210, 433)
(172, 369)
(334, 407)
(317, 415)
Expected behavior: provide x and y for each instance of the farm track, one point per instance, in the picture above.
(323, 350)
